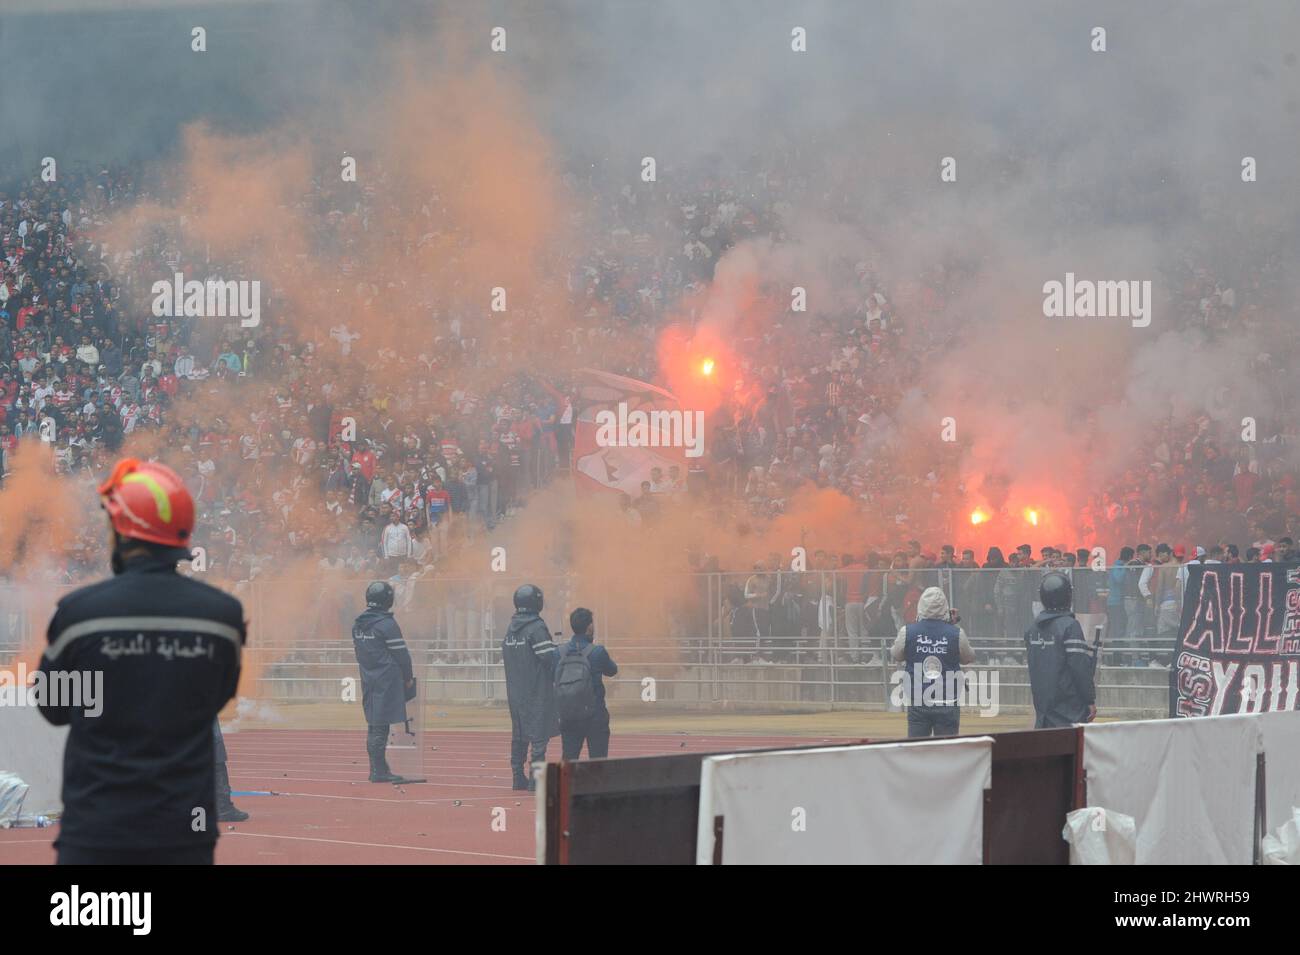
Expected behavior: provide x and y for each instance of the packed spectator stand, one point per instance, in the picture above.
(445, 445)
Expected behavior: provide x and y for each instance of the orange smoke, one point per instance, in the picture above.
(40, 515)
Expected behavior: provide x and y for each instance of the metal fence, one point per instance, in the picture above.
(814, 639)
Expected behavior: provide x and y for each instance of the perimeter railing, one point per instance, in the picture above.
(812, 639)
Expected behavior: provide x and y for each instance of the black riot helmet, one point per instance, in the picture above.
(379, 595)
(1055, 592)
(529, 598)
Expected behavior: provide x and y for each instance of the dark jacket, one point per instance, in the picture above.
(1061, 666)
(529, 656)
(385, 664)
(168, 648)
(601, 663)
(111, 359)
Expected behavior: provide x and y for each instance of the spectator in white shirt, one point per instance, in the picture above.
(344, 336)
(1182, 571)
(395, 541)
(87, 352)
(304, 450)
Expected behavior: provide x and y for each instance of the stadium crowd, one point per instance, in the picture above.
(855, 603)
(439, 454)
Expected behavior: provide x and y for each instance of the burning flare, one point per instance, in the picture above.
(979, 516)
(706, 366)
(1031, 516)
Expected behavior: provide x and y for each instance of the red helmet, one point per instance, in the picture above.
(147, 501)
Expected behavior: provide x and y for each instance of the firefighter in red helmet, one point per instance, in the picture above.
(138, 666)
(147, 501)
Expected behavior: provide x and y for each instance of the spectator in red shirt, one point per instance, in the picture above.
(366, 460)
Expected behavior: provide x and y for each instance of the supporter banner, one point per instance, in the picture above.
(1238, 645)
(618, 457)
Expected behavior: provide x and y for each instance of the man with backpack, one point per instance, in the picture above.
(580, 690)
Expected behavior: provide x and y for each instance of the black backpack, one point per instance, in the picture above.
(575, 690)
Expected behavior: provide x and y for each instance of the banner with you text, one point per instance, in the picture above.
(1238, 643)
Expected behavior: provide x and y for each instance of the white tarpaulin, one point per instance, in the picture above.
(1188, 783)
(1098, 837)
(892, 804)
(1281, 765)
(32, 749)
(1283, 847)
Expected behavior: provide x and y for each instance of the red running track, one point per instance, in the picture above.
(325, 812)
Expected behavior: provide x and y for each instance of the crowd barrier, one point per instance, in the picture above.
(1200, 791)
(692, 634)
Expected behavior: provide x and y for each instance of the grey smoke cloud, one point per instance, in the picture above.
(1116, 165)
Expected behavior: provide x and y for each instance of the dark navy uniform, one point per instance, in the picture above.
(139, 778)
(1061, 666)
(386, 671)
(529, 655)
(594, 730)
(227, 811)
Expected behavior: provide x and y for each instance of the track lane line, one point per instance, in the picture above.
(379, 845)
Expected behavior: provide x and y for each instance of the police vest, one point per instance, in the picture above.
(933, 651)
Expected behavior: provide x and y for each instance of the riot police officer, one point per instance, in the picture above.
(529, 655)
(1061, 663)
(386, 676)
